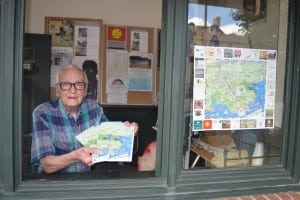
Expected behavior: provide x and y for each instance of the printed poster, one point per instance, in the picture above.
(234, 88)
(117, 76)
(60, 57)
(61, 31)
(87, 41)
(140, 71)
(116, 37)
(139, 40)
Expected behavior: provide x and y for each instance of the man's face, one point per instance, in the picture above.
(72, 97)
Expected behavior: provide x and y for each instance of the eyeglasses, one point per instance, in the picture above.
(67, 85)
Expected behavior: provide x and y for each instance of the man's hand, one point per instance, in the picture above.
(84, 154)
(133, 124)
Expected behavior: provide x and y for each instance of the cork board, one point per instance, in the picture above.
(119, 41)
(77, 41)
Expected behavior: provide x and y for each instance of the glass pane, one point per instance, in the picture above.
(234, 84)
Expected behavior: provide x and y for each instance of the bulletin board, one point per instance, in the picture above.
(76, 41)
(130, 65)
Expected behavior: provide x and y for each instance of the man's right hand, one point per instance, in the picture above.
(84, 154)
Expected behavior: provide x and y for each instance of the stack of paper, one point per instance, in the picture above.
(114, 140)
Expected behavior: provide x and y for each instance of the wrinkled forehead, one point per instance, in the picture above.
(71, 75)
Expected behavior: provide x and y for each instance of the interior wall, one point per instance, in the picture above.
(143, 13)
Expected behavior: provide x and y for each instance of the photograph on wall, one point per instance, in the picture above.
(87, 41)
(140, 71)
(61, 31)
(139, 40)
(234, 88)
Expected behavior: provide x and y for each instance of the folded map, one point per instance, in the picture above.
(114, 140)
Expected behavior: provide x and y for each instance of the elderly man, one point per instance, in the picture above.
(56, 123)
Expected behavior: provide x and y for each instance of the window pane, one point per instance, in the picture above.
(234, 84)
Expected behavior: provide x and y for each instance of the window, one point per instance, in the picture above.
(38, 87)
(234, 84)
(172, 182)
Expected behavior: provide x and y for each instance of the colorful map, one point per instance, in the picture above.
(114, 140)
(234, 88)
(235, 95)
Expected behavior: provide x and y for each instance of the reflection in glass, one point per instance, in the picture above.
(233, 108)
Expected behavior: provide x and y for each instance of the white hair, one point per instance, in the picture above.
(59, 73)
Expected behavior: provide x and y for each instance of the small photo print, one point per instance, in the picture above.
(248, 123)
(199, 73)
(198, 104)
(228, 53)
(226, 124)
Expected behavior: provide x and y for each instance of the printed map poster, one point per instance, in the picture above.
(234, 88)
(114, 140)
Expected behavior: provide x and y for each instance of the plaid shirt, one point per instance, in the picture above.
(54, 130)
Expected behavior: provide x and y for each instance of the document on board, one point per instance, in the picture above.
(114, 139)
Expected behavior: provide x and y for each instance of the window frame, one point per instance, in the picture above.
(171, 180)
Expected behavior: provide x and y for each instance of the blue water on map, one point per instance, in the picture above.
(125, 149)
(222, 111)
(126, 145)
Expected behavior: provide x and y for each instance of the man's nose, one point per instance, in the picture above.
(72, 89)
